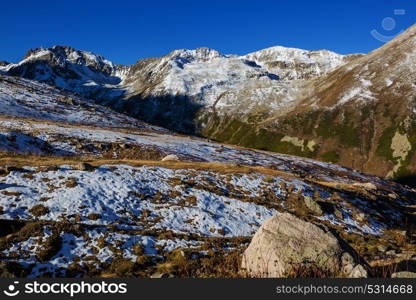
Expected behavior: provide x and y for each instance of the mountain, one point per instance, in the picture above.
(33, 100)
(360, 115)
(78, 71)
(353, 110)
(173, 90)
(86, 191)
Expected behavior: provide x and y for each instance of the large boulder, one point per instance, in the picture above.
(288, 246)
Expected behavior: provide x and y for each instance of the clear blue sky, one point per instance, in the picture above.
(124, 31)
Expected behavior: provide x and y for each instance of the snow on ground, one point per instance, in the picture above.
(183, 201)
(63, 139)
(115, 194)
(29, 99)
(127, 207)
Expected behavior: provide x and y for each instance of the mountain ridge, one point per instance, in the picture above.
(88, 191)
(281, 99)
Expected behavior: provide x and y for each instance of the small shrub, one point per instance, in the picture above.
(51, 248)
(94, 216)
(144, 261)
(39, 210)
(122, 267)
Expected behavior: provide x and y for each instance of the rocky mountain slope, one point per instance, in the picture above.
(362, 114)
(86, 192)
(177, 89)
(354, 110)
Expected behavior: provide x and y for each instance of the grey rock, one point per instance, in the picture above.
(312, 205)
(285, 242)
(84, 167)
(358, 272)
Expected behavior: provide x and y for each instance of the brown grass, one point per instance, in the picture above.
(21, 160)
(50, 248)
(39, 210)
(303, 271)
(219, 265)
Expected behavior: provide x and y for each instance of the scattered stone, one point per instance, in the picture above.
(39, 210)
(359, 216)
(404, 274)
(381, 248)
(84, 167)
(312, 205)
(284, 242)
(12, 270)
(78, 145)
(338, 214)
(358, 272)
(368, 186)
(402, 233)
(392, 196)
(391, 252)
(170, 157)
(52, 168)
(161, 275)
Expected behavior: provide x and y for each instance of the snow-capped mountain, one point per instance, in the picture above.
(179, 89)
(363, 113)
(79, 71)
(203, 74)
(292, 63)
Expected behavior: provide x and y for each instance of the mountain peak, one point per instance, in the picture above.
(201, 54)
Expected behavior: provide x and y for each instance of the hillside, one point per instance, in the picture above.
(353, 110)
(86, 192)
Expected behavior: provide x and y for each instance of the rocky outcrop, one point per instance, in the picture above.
(285, 244)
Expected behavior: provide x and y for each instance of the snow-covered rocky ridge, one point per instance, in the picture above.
(202, 72)
(30, 99)
(292, 63)
(65, 67)
(201, 78)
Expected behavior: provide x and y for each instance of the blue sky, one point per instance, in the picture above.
(124, 31)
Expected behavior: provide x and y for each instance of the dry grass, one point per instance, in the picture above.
(39, 210)
(51, 247)
(72, 125)
(304, 271)
(219, 265)
(22, 160)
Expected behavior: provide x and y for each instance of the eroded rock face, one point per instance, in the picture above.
(285, 243)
